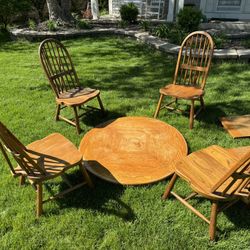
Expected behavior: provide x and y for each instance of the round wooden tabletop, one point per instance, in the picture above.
(133, 150)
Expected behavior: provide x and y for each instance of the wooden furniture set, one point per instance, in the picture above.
(133, 150)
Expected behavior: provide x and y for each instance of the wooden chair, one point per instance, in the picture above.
(64, 81)
(191, 73)
(42, 160)
(217, 174)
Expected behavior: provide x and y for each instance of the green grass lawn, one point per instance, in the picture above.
(112, 216)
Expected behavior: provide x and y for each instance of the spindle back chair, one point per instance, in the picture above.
(42, 160)
(62, 76)
(192, 67)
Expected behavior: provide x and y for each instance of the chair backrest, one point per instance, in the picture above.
(11, 144)
(58, 66)
(237, 180)
(194, 59)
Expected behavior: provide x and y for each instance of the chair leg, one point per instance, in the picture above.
(39, 199)
(86, 175)
(100, 104)
(191, 117)
(58, 109)
(158, 106)
(76, 120)
(213, 217)
(169, 187)
(21, 180)
(202, 102)
(176, 101)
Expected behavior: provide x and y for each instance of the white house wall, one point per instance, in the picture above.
(114, 6)
(210, 9)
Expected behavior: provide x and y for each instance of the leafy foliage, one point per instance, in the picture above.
(11, 8)
(129, 12)
(32, 24)
(172, 31)
(246, 43)
(51, 25)
(219, 39)
(162, 31)
(189, 18)
(145, 25)
(123, 24)
(81, 24)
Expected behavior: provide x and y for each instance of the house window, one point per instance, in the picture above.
(229, 5)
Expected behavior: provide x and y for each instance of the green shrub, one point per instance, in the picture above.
(31, 24)
(173, 32)
(219, 40)
(51, 25)
(81, 24)
(123, 24)
(145, 25)
(246, 43)
(177, 35)
(162, 31)
(129, 12)
(4, 35)
(9, 9)
(189, 18)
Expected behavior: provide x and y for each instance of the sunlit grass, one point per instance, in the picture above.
(111, 216)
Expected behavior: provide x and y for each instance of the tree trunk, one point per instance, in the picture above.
(59, 11)
(66, 9)
(95, 9)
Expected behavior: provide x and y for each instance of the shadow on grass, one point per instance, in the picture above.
(214, 111)
(235, 214)
(95, 117)
(104, 198)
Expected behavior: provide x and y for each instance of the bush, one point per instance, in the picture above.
(246, 43)
(129, 12)
(173, 32)
(81, 24)
(162, 31)
(11, 8)
(219, 40)
(122, 24)
(145, 25)
(31, 24)
(189, 18)
(51, 25)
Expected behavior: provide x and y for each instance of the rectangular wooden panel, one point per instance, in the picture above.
(237, 126)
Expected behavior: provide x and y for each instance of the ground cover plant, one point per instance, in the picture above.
(112, 216)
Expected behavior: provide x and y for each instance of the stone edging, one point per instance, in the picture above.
(141, 36)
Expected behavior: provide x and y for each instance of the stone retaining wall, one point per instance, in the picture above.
(140, 36)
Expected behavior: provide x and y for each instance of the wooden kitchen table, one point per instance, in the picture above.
(133, 150)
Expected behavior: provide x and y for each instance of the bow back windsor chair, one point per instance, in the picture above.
(62, 76)
(192, 67)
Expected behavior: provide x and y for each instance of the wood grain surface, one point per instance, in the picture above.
(237, 126)
(133, 150)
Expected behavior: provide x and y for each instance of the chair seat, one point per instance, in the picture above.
(54, 154)
(77, 96)
(204, 168)
(182, 91)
